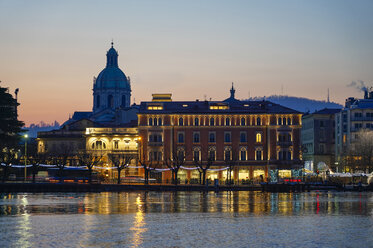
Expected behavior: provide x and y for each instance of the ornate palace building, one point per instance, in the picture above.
(261, 138)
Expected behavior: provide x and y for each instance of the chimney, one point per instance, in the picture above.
(365, 93)
(371, 95)
(349, 102)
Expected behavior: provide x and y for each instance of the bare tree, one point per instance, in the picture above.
(36, 160)
(60, 158)
(89, 160)
(207, 160)
(359, 155)
(121, 160)
(174, 162)
(231, 160)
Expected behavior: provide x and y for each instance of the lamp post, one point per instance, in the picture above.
(25, 136)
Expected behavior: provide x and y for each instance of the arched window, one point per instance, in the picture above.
(243, 121)
(110, 101)
(99, 145)
(258, 121)
(150, 121)
(196, 138)
(196, 121)
(227, 121)
(280, 121)
(258, 137)
(160, 121)
(123, 100)
(284, 121)
(181, 121)
(180, 138)
(212, 121)
(243, 137)
(98, 101)
(155, 122)
(289, 121)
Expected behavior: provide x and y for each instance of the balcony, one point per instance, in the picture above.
(284, 143)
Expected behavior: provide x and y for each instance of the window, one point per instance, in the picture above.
(321, 123)
(243, 137)
(357, 115)
(155, 122)
(227, 155)
(150, 121)
(196, 122)
(242, 155)
(212, 155)
(155, 138)
(258, 137)
(196, 155)
(116, 144)
(358, 125)
(258, 121)
(284, 121)
(289, 121)
(181, 121)
(284, 155)
(212, 122)
(227, 137)
(98, 101)
(99, 145)
(279, 121)
(258, 155)
(160, 121)
(155, 156)
(196, 137)
(212, 138)
(243, 121)
(180, 155)
(227, 121)
(110, 101)
(180, 138)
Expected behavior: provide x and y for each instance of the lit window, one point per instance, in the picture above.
(116, 144)
(258, 137)
(155, 107)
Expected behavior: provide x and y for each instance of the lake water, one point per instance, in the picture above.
(187, 219)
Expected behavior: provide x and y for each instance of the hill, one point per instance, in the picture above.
(298, 103)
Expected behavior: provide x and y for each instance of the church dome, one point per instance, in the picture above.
(112, 77)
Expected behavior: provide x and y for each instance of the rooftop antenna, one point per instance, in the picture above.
(112, 43)
(282, 89)
(205, 96)
(328, 96)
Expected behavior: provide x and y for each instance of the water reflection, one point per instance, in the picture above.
(140, 203)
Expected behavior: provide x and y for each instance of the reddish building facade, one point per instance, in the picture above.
(259, 139)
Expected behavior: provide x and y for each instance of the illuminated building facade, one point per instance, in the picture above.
(261, 138)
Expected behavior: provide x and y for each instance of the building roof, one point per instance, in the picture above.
(212, 107)
(112, 76)
(327, 111)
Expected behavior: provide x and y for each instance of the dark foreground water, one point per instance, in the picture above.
(187, 219)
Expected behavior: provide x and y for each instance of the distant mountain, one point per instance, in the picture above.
(299, 103)
(33, 129)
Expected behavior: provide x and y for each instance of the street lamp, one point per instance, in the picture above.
(25, 136)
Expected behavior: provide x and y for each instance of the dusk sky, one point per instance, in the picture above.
(51, 50)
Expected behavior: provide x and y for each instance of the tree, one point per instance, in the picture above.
(207, 160)
(359, 155)
(147, 164)
(231, 159)
(36, 160)
(121, 160)
(60, 158)
(7, 158)
(10, 126)
(174, 162)
(89, 160)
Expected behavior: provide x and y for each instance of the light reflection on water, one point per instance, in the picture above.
(187, 219)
